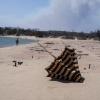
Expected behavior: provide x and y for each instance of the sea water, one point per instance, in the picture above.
(10, 41)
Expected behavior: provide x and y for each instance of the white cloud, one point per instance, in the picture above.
(78, 15)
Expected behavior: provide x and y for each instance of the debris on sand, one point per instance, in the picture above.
(65, 67)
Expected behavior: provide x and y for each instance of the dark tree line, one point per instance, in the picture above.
(36, 32)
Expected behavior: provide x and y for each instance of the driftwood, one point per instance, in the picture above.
(65, 66)
(49, 43)
(47, 50)
(17, 63)
(82, 54)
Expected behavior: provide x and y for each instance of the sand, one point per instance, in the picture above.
(29, 82)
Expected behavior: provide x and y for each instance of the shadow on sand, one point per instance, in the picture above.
(63, 81)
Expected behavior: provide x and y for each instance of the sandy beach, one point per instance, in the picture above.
(29, 82)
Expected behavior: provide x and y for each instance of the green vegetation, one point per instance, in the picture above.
(36, 32)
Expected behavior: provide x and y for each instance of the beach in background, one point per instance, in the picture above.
(28, 81)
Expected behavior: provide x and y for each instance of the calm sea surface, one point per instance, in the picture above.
(9, 41)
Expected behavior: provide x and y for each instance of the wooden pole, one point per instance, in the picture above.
(46, 50)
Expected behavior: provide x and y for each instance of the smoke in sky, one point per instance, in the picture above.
(73, 15)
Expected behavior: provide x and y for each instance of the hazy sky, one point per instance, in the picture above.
(71, 15)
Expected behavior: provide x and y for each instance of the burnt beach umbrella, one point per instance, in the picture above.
(65, 67)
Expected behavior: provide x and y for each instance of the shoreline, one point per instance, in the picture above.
(33, 39)
(23, 37)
